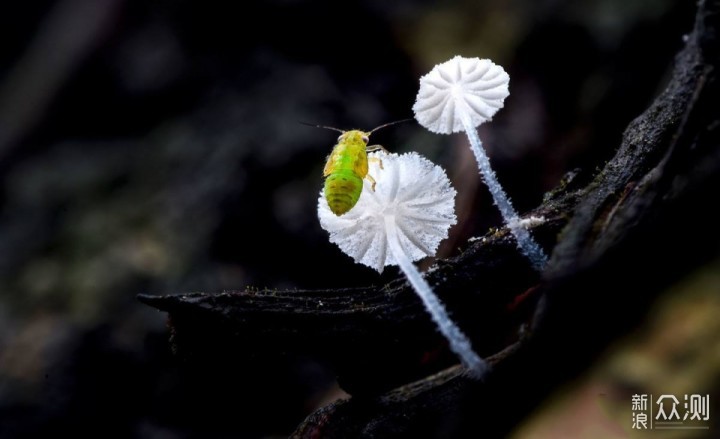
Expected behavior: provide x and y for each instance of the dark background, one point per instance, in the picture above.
(155, 147)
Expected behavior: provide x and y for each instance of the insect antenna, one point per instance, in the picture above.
(388, 124)
(322, 126)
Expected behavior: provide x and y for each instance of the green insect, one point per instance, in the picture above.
(347, 166)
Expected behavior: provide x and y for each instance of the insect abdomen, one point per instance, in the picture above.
(342, 191)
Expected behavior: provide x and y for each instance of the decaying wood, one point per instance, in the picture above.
(615, 242)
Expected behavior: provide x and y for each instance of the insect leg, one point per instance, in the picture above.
(376, 160)
(372, 181)
(375, 148)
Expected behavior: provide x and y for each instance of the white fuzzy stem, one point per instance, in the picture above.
(525, 241)
(459, 343)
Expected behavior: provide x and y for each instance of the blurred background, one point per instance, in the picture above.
(155, 147)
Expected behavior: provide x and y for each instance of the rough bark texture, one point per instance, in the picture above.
(638, 225)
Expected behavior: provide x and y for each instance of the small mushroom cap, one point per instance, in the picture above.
(411, 191)
(461, 87)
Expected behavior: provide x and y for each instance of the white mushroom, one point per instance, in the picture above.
(403, 220)
(458, 95)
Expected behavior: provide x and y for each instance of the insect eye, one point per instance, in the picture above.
(365, 139)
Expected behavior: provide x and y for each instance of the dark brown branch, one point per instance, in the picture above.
(638, 225)
(377, 338)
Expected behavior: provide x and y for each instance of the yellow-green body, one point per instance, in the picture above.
(345, 170)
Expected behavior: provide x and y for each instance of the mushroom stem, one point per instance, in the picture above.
(525, 241)
(459, 342)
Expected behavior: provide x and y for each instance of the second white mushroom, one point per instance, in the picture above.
(458, 95)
